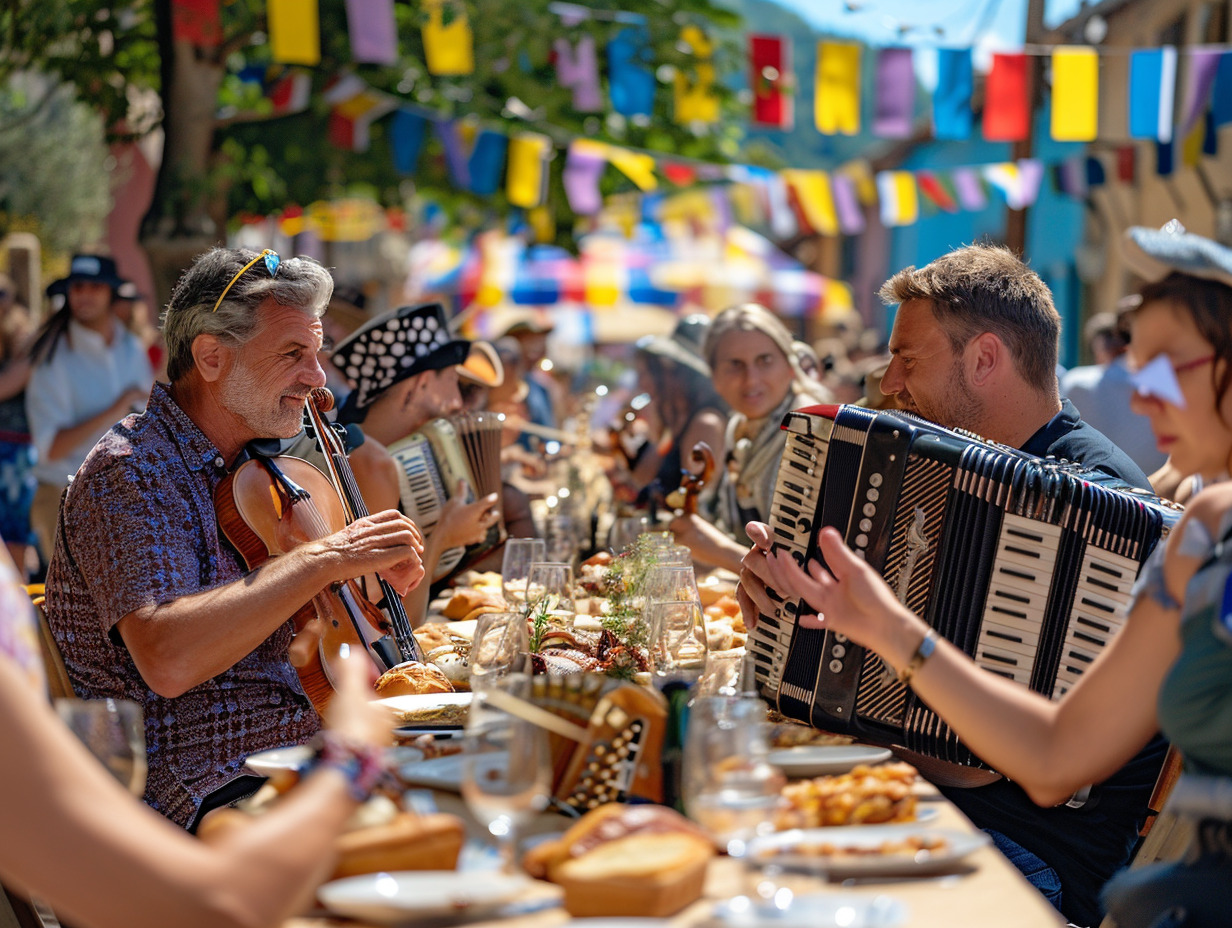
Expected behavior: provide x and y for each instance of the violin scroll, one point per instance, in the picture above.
(322, 399)
(693, 483)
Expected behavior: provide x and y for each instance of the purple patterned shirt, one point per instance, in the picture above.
(137, 529)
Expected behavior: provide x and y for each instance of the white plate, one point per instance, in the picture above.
(814, 760)
(814, 910)
(409, 709)
(781, 848)
(279, 760)
(443, 773)
(396, 897)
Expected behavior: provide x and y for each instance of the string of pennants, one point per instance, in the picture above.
(294, 34)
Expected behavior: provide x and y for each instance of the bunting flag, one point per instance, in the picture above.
(682, 175)
(1007, 111)
(770, 81)
(900, 204)
(487, 161)
(351, 119)
(970, 189)
(696, 101)
(448, 48)
(1164, 161)
(407, 131)
(636, 166)
(1070, 177)
(1203, 65)
(456, 160)
(1152, 87)
(895, 95)
(837, 110)
(847, 204)
(584, 165)
(1075, 93)
(631, 83)
(290, 93)
(198, 22)
(952, 98)
(577, 69)
(1019, 181)
(526, 182)
(934, 191)
(294, 31)
(1221, 93)
(862, 177)
(374, 37)
(815, 196)
(1192, 144)
(1096, 175)
(1126, 163)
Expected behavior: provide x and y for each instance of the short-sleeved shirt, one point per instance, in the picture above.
(18, 629)
(138, 528)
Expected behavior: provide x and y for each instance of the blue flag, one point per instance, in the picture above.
(952, 100)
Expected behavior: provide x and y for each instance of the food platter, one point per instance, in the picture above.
(862, 850)
(428, 710)
(814, 760)
(391, 898)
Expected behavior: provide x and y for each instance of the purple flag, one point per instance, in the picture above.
(1030, 174)
(577, 68)
(374, 37)
(455, 157)
(581, 180)
(970, 189)
(1203, 63)
(847, 204)
(895, 93)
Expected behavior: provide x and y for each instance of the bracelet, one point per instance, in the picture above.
(922, 653)
(363, 766)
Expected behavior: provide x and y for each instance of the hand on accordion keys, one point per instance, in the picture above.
(462, 523)
(848, 596)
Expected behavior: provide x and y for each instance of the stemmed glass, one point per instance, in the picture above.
(625, 531)
(670, 583)
(506, 768)
(562, 536)
(500, 647)
(678, 637)
(114, 731)
(520, 554)
(552, 582)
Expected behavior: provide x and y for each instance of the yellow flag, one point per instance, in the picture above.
(542, 223)
(1191, 146)
(294, 31)
(695, 97)
(838, 88)
(637, 167)
(527, 170)
(448, 48)
(816, 199)
(1075, 94)
(861, 175)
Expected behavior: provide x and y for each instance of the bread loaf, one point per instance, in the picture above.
(464, 602)
(629, 860)
(411, 678)
(408, 842)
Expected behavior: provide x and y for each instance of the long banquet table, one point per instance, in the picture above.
(982, 890)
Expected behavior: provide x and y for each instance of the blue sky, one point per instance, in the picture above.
(986, 25)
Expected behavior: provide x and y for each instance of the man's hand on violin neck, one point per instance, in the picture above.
(385, 542)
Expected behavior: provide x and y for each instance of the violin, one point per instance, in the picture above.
(691, 484)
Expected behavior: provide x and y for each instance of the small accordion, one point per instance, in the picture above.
(1024, 563)
(432, 462)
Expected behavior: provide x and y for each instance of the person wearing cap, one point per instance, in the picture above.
(145, 597)
(404, 370)
(16, 453)
(1170, 665)
(684, 409)
(974, 346)
(88, 372)
(531, 333)
(1102, 391)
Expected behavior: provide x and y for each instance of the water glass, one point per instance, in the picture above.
(500, 647)
(114, 731)
(552, 583)
(519, 554)
(670, 583)
(729, 787)
(677, 631)
(506, 768)
(625, 531)
(562, 537)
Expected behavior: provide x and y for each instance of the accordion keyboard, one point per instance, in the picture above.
(1096, 616)
(423, 490)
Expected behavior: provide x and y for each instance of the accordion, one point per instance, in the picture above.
(1024, 563)
(432, 461)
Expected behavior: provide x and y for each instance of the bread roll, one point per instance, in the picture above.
(409, 842)
(630, 860)
(466, 601)
(411, 678)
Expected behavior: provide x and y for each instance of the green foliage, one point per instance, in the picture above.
(53, 164)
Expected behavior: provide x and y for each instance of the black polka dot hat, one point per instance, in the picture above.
(400, 344)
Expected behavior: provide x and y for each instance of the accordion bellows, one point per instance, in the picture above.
(1024, 563)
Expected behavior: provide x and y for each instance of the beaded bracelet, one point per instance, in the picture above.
(922, 653)
(364, 766)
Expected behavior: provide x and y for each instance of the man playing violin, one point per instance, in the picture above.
(145, 599)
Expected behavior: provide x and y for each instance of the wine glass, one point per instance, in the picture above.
(677, 631)
(506, 768)
(519, 554)
(562, 536)
(625, 531)
(550, 586)
(730, 788)
(114, 731)
(500, 647)
(670, 583)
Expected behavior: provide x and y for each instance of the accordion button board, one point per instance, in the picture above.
(1026, 564)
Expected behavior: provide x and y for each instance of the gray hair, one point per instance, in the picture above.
(751, 317)
(299, 282)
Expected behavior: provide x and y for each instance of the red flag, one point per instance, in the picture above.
(679, 174)
(1007, 110)
(935, 191)
(770, 79)
(197, 22)
(1125, 164)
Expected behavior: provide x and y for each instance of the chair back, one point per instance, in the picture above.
(59, 686)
